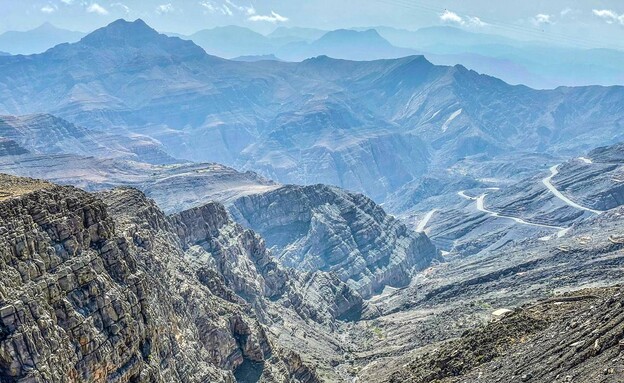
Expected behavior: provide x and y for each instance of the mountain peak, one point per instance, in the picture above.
(123, 34)
(47, 26)
(132, 32)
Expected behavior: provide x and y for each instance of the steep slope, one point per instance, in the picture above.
(346, 245)
(128, 293)
(324, 228)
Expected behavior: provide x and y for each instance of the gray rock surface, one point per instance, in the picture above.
(324, 228)
(112, 288)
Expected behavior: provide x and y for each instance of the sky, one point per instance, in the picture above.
(582, 23)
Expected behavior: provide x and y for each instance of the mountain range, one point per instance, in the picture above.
(536, 64)
(36, 40)
(282, 119)
(390, 220)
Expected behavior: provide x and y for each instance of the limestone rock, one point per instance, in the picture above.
(92, 293)
(324, 228)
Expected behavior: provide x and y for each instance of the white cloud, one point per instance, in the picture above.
(475, 21)
(228, 8)
(454, 18)
(272, 18)
(609, 16)
(566, 11)
(208, 6)
(541, 19)
(249, 10)
(122, 6)
(97, 8)
(68, 2)
(48, 9)
(165, 8)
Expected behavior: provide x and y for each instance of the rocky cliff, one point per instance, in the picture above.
(108, 288)
(325, 228)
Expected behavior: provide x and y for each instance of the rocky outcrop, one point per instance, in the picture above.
(104, 291)
(324, 228)
(571, 338)
(239, 254)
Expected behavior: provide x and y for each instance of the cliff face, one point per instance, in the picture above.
(325, 228)
(108, 288)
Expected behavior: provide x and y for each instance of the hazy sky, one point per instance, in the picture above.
(586, 23)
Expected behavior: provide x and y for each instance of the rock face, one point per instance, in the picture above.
(108, 287)
(571, 338)
(324, 228)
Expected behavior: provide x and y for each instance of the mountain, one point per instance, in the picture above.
(369, 127)
(233, 41)
(317, 242)
(270, 57)
(233, 275)
(442, 40)
(199, 269)
(4, 54)
(345, 44)
(533, 63)
(291, 34)
(36, 40)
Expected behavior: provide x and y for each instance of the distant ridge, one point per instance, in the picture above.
(345, 44)
(37, 40)
(252, 58)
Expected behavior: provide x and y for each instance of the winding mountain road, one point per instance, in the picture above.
(480, 201)
(547, 182)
